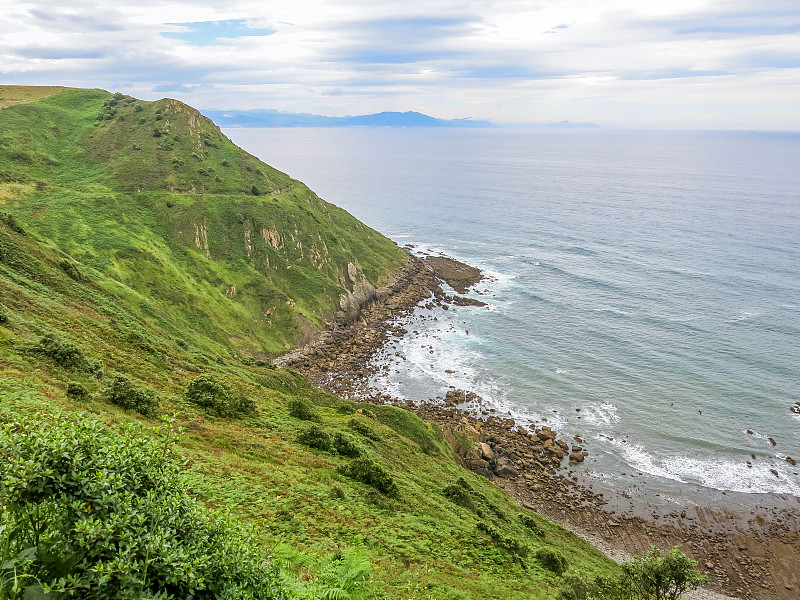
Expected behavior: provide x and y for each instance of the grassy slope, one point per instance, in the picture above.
(99, 296)
(175, 219)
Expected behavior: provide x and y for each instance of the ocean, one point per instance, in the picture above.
(643, 289)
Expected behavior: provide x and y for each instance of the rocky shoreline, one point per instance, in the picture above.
(748, 551)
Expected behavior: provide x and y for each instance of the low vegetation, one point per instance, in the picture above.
(134, 286)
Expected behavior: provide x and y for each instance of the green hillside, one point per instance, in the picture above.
(141, 275)
(152, 196)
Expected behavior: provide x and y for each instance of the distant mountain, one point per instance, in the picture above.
(568, 125)
(274, 118)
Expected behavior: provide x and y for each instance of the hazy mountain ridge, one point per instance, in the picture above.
(273, 118)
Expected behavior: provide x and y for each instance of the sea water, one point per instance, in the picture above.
(643, 289)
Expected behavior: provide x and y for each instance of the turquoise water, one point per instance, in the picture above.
(644, 290)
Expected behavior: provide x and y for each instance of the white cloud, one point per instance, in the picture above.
(682, 63)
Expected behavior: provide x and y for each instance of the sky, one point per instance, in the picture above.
(677, 64)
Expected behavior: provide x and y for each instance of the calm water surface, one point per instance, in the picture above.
(645, 289)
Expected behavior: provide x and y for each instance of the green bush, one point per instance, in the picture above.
(11, 222)
(123, 392)
(345, 445)
(363, 430)
(95, 513)
(66, 354)
(315, 437)
(299, 409)
(511, 544)
(662, 576)
(459, 495)
(552, 560)
(578, 586)
(3, 315)
(529, 522)
(212, 394)
(77, 391)
(371, 473)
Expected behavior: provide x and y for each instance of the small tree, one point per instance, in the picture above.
(659, 576)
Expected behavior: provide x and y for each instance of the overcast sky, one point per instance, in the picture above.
(730, 64)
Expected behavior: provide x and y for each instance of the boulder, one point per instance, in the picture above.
(505, 467)
(486, 451)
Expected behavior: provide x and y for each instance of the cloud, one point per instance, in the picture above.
(504, 60)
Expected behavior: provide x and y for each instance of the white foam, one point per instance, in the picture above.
(717, 473)
(602, 414)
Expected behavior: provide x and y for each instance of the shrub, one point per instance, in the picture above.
(552, 560)
(511, 544)
(71, 270)
(345, 445)
(300, 409)
(459, 495)
(137, 108)
(577, 586)
(77, 391)
(464, 445)
(315, 437)
(662, 576)
(3, 315)
(95, 513)
(124, 393)
(62, 351)
(12, 223)
(255, 191)
(529, 522)
(214, 395)
(371, 473)
(363, 429)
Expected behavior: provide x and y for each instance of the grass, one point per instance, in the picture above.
(103, 258)
(22, 94)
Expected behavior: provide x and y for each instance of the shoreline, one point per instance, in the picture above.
(748, 551)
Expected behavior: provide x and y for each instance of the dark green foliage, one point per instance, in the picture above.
(256, 362)
(579, 586)
(12, 223)
(552, 560)
(363, 429)
(62, 351)
(71, 270)
(214, 395)
(255, 191)
(300, 409)
(371, 473)
(3, 315)
(137, 108)
(77, 391)
(661, 576)
(345, 445)
(511, 544)
(123, 392)
(458, 494)
(529, 522)
(93, 513)
(315, 437)
(655, 576)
